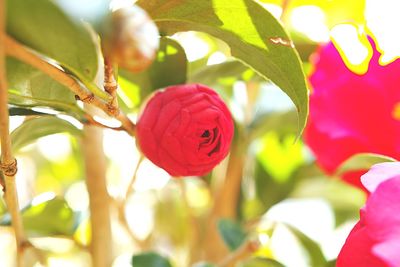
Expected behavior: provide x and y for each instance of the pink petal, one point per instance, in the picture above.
(378, 173)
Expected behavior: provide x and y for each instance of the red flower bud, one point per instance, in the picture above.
(185, 129)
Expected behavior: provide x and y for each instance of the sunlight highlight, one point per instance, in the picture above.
(56, 147)
(383, 21)
(353, 47)
(311, 21)
(194, 46)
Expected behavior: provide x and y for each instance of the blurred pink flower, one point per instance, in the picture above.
(351, 113)
(375, 240)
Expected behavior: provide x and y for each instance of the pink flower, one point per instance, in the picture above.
(185, 129)
(375, 240)
(351, 113)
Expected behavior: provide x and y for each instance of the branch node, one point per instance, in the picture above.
(9, 169)
(87, 99)
(112, 109)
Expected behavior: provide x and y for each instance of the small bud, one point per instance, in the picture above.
(134, 39)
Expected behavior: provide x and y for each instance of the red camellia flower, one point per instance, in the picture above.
(375, 240)
(351, 113)
(185, 129)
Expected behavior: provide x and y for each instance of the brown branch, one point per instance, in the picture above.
(20, 52)
(192, 221)
(99, 199)
(285, 8)
(8, 162)
(110, 83)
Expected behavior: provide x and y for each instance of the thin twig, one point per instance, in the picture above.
(142, 244)
(129, 189)
(93, 122)
(121, 208)
(8, 162)
(15, 49)
(285, 7)
(241, 253)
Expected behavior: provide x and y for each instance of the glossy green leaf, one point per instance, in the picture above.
(362, 161)
(317, 258)
(261, 262)
(46, 218)
(32, 129)
(232, 233)
(253, 34)
(150, 259)
(43, 26)
(168, 68)
(30, 87)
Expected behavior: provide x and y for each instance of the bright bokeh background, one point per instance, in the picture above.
(52, 167)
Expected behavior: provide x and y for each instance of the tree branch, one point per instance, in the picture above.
(18, 51)
(8, 162)
(225, 203)
(192, 221)
(110, 83)
(99, 199)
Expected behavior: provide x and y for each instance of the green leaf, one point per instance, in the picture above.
(150, 259)
(211, 75)
(269, 190)
(317, 258)
(46, 218)
(331, 263)
(232, 233)
(280, 122)
(168, 68)
(253, 34)
(30, 87)
(15, 111)
(35, 128)
(261, 262)
(43, 26)
(280, 155)
(362, 161)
